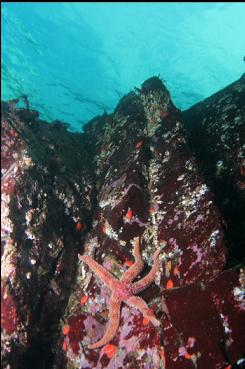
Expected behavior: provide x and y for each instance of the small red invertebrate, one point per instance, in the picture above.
(169, 284)
(65, 345)
(188, 356)
(176, 270)
(139, 144)
(145, 321)
(129, 214)
(110, 350)
(80, 226)
(152, 210)
(83, 300)
(128, 263)
(66, 329)
(103, 228)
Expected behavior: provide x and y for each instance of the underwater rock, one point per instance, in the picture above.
(149, 185)
(206, 330)
(217, 137)
(132, 173)
(46, 206)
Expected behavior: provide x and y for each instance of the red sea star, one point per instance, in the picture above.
(123, 290)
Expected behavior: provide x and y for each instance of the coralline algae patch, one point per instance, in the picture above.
(202, 335)
(133, 337)
(228, 296)
(132, 349)
(191, 321)
(11, 328)
(133, 327)
(9, 317)
(190, 335)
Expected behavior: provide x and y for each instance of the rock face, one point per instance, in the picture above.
(134, 173)
(217, 137)
(47, 206)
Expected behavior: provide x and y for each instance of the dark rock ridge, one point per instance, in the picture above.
(175, 179)
(217, 136)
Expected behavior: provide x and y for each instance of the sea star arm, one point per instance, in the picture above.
(106, 277)
(150, 277)
(114, 318)
(139, 303)
(137, 266)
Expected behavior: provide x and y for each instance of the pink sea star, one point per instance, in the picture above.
(123, 290)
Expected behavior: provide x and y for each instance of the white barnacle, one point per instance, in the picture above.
(181, 177)
(213, 237)
(28, 275)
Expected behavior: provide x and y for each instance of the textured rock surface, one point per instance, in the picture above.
(217, 136)
(46, 206)
(130, 174)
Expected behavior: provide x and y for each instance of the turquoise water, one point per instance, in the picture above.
(75, 60)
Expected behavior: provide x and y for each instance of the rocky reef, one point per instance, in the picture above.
(217, 137)
(176, 180)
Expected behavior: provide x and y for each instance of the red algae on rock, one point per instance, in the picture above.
(135, 173)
